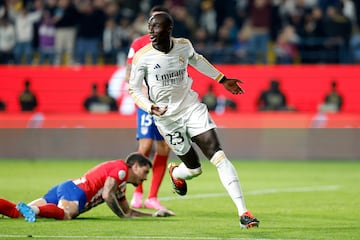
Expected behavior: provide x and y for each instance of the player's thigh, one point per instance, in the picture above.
(71, 198)
(175, 135)
(71, 208)
(199, 121)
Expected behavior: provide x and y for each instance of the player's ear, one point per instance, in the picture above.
(135, 166)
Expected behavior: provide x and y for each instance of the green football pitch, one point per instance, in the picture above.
(292, 199)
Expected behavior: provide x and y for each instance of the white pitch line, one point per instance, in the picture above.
(258, 192)
(134, 237)
(209, 195)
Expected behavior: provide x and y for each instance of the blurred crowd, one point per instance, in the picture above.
(67, 32)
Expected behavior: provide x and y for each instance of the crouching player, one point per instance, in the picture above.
(105, 182)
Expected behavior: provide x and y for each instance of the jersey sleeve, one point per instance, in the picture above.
(135, 46)
(131, 54)
(203, 65)
(138, 72)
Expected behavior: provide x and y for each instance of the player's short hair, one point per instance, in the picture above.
(159, 8)
(136, 157)
(168, 18)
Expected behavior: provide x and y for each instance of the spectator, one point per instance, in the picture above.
(7, 41)
(92, 102)
(260, 22)
(349, 10)
(338, 29)
(333, 100)
(241, 44)
(272, 99)
(111, 42)
(223, 51)
(286, 46)
(66, 20)
(202, 42)
(207, 18)
(210, 99)
(312, 34)
(140, 25)
(89, 35)
(47, 39)
(24, 27)
(355, 47)
(108, 100)
(28, 100)
(125, 33)
(183, 22)
(2, 106)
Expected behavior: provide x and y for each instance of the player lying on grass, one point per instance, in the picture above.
(177, 111)
(105, 182)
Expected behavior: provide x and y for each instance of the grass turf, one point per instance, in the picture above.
(293, 200)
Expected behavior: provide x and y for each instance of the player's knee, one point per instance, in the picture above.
(195, 172)
(218, 158)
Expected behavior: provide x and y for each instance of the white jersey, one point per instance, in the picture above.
(166, 76)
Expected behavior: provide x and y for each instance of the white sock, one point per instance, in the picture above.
(229, 179)
(35, 209)
(182, 172)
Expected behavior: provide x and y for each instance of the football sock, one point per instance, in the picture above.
(229, 179)
(8, 208)
(182, 172)
(139, 188)
(51, 211)
(159, 168)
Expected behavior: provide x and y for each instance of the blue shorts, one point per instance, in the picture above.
(67, 191)
(146, 127)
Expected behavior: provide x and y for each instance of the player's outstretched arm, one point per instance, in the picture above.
(121, 208)
(109, 196)
(159, 213)
(232, 85)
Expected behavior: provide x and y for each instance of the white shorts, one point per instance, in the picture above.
(178, 130)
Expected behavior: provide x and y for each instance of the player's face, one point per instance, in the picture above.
(158, 31)
(141, 173)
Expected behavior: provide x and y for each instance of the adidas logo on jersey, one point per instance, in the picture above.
(157, 66)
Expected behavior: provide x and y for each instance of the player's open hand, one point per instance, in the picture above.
(157, 111)
(233, 85)
(163, 213)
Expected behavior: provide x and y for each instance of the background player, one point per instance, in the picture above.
(178, 113)
(105, 182)
(146, 133)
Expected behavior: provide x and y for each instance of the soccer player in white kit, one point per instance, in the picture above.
(179, 115)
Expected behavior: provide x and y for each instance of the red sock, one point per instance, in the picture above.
(139, 188)
(159, 168)
(51, 211)
(8, 208)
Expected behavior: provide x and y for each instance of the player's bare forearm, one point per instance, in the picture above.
(232, 85)
(115, 207)
(109, 196)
